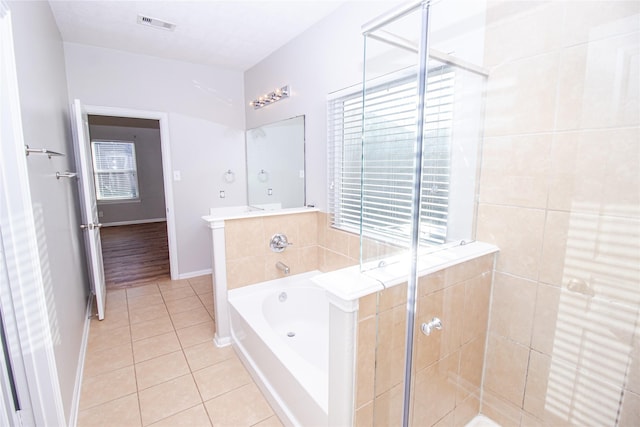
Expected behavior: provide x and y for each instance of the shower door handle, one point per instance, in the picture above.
(427, 328)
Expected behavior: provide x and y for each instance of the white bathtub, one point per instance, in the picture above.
(281, 331)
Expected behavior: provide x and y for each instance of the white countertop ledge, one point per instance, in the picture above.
(347, 285)
(239, 212)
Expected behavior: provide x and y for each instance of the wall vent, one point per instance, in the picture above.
(156, 23)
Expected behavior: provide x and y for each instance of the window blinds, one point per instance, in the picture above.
(115, 172)
(385, 156)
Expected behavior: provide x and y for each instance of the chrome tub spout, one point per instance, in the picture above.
(283, 267)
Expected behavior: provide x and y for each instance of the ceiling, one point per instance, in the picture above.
(235, 34)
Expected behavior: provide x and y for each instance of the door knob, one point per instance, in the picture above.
(427, 328)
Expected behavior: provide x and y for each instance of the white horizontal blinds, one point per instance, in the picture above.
(388, 154)
(438, 123)
(114, 166)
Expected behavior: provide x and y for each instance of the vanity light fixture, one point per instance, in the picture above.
(271, 97)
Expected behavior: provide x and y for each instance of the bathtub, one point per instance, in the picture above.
(280, 329)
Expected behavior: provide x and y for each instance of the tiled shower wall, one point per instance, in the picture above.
(560, 197)
(447, 364)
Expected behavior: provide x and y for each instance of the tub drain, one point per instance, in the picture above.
(291, 334)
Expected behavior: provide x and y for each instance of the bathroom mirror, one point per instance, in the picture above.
(275, 165)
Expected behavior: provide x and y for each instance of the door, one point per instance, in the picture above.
(89, 206)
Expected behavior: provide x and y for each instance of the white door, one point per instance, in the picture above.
(89, 206)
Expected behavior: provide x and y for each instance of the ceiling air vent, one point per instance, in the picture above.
(156, 23)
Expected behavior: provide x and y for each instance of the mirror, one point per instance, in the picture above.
(275, 165)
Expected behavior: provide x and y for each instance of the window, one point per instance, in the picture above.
(386, 159)
(115, 172)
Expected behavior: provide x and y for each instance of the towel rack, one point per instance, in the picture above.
(66, 174)
(49, 153)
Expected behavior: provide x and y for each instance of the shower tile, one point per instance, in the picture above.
(465, 411)
(554, 247)
(529, 420)
(364, 416)
(221, 378)
(190, 318)
(468, 270)
(587, 178)
(184, 304)
(335, 261)
(353, 245)
(307, 229)
(446, 421)
(196, 334)
(281, 224)
(109, 359)
(515, 170)
(244, 406)
(206, 354)
(500, 410)
(595, 90)
(168, 398)
(390, 357)
(245, 238)
(149, 348)
(367, 306)
(365, 361)
(245, 271)
(337, 241)
(520, 245)
(161, 369)
(106, 387)
(512, 307)
(387, 408)
(630, 412)
(119, 412)
(435, 387)
(308, 258)
(545, 318)
(536, 390)
(505, 369)
(196, 416)
(428, 349)
(477, 295)
(471, 364)
(431, 283)
(151, 328)
(289, 257)
(514, 105)
(392, 297)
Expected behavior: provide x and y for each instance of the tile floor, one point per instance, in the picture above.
(152, 362)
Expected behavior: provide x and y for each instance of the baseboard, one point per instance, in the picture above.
(77, 390)
(194, 274)
(135, 221)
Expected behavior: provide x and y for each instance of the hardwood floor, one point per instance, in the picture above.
(135, 254)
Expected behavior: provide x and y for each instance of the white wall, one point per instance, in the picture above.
(206, 122)
(150, 179)
(329, 57)
(44, 107)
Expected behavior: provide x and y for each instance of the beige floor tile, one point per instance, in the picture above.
(244, 406)
(221, 378)
(183, 304)
(170, 294)
(206, 354)
(113, 318)
(109, 359)
(193, 417)
(142, 314)
(103, 339)
(106, 387)
(143, 290)
(190, 318)
(196, 334)
(173, 284)
(151, 328)
(201, 284)
(168, 398)
(270, 422)
(149, 348)
(144, 301)
(161, 369)
(123, 412)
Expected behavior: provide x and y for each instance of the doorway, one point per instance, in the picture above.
(138, 234)
(128, 173)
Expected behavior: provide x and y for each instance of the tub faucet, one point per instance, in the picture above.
(282, 266)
